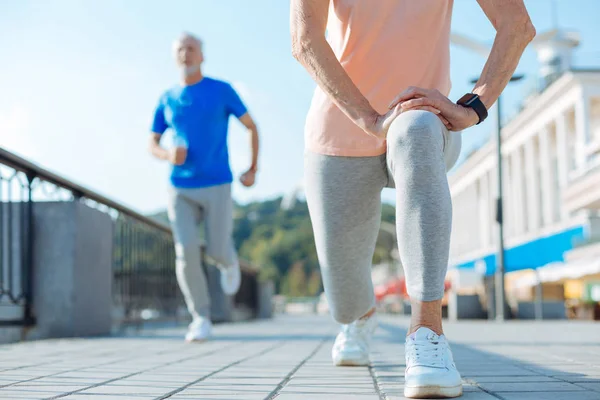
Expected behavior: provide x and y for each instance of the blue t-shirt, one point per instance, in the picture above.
(199, 117)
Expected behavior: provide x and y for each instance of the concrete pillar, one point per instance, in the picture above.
(484, 211)
(73, 258)
(519, 204)
(549, 197)
(509, 214)
(563, 160)
(582, 129)
(506, 201)
(533, 203)
(493, 186)
(266, 291)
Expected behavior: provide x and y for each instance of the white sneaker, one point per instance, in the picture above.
(199, 330)
(351, 347)
(231, 278)
(430, 370)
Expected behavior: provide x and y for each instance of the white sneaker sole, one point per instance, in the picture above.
(351, 362)
(196, 340)
(433, 392)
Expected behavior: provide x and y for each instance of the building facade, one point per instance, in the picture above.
(551, 181)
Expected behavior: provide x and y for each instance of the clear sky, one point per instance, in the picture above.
(79, 80)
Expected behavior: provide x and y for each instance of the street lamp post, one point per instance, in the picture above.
(500, 262)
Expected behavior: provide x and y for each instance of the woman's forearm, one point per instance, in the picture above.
(319, 60)
(509, 45)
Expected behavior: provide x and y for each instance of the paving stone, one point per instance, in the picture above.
(551, 396)
(529, 378)
(250, 360)
(398, 395)
(27, 393)
(498, 387)
(312, 396)
(590, 385)
(118, 389)
(208, 396)
(106, 397)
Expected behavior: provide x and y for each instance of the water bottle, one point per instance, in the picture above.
(180, 147)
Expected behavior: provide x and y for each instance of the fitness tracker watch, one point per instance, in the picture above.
(473, 101)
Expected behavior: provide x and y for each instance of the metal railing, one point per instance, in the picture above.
(144, 281)
(143, 252)
(15, 244)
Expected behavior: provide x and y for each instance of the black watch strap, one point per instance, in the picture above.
(473, 101)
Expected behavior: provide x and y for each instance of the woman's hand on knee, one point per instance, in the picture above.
(380, 123)
(454, 116)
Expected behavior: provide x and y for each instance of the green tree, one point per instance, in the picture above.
(295, 281)
(313, 287)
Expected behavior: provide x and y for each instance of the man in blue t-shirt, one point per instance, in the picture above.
(198, 112)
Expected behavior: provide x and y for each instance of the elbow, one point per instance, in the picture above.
(152, 145)
(301, 45)
(521, 28)
(298, 49)
(528, 31)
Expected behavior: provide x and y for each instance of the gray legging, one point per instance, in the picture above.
(187, 208)
(344, 199)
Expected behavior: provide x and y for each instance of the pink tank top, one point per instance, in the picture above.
(384, 46)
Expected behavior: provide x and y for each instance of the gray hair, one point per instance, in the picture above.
(187, 36)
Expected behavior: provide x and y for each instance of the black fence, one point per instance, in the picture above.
(15, 246)
(144, 282)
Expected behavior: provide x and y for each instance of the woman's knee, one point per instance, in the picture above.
(416, 128)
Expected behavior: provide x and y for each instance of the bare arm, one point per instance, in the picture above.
(248, 122)
(514, 31)
(156, 149)
(176, 156)
(308, 22)
(248, 178)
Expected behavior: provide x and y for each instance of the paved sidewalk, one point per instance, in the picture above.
(289, 358)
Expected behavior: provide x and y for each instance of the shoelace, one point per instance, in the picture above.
(426, 353)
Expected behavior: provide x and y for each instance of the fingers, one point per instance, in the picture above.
(388, 119)
(435, 111)
(425, 108)
(420, 102)
(445, 122)
(247, 179)
(397, 110)
(409, 93)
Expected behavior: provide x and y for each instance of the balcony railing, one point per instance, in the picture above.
(143, 253)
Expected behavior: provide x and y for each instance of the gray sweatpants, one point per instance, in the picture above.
(344, 200)
(187, 208)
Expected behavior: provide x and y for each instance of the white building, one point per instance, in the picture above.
(551, 164)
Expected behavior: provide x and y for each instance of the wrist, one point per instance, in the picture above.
(484, 97)
(473, 116)
(368, 121)
(473, 106)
